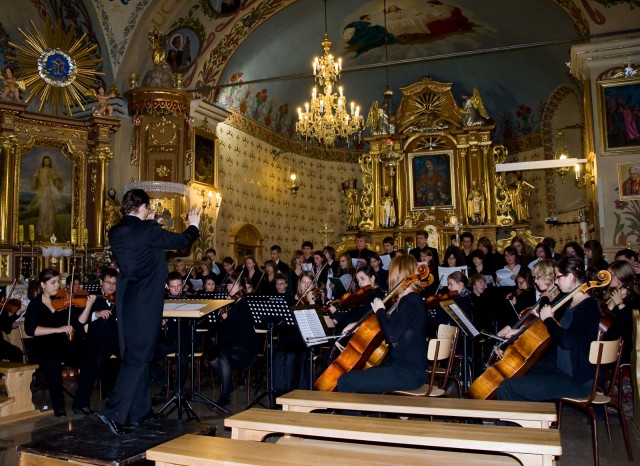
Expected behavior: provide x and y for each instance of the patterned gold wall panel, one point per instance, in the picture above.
(253, 191)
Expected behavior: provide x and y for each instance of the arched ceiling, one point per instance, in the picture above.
(514, 52)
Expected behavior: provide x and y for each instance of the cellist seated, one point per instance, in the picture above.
(404, 368)
(572, 375)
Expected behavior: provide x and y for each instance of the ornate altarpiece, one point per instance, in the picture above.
(438, 169)
(84, 146)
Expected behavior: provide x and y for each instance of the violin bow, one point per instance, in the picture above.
(260, 281)
(304, 293)
(73, 272)
(6, 298)
(184, 283)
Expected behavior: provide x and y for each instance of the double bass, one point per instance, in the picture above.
(527, 349)
(367, 347)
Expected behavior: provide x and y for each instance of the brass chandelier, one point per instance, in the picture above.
(327, 116)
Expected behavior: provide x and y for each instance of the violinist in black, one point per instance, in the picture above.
(100, 344)
(236, 346)
(9, 352)
(458, 292)
(53, 335)
(361, 299)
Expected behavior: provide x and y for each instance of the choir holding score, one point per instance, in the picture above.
(125, 318)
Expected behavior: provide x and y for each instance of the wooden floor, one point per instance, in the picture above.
(576, 439)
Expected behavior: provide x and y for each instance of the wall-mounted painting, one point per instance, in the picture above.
(183, 45)
(619, 109)
(45, 194)
(430, 180)
(205, 163)
(629, 181)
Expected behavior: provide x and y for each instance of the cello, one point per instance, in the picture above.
(527, 348)
(367, 347)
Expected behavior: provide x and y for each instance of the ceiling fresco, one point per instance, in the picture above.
(515, 53)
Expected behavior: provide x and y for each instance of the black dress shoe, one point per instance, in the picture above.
(150, 416)
(59, 412)
(115, 426)
(86, 411)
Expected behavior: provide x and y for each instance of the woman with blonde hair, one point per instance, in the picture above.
(405, 330)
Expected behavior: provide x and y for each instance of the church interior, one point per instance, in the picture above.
(291, 121)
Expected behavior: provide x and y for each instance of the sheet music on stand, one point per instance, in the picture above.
(217, 294)
(313, 326)
(269, 309)
(460, 318)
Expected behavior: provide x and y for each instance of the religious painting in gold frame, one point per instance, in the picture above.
(430, 180)
(165, 211)
(619, 104)
(205, 158)
(49, 191)
(629, 181)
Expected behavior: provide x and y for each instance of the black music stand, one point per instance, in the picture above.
(186, 309)
(268, 312)
(470, 332)
(314, 331)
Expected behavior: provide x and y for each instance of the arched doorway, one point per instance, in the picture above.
(245, 239)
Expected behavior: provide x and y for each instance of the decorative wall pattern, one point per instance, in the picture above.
(118, 24)
(253, 191)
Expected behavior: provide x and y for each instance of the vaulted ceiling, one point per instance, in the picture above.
(514, 52)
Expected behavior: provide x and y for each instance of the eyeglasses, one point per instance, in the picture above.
(560, 275)
(538, 277)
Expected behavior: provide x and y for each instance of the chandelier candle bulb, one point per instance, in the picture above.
(340, 91)
(85, 236)
(32, 233)
(74, 236)
(20, 233)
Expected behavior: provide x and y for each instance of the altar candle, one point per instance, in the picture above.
(85, 236)
(32, 233)
(74, 236)
(21, 233)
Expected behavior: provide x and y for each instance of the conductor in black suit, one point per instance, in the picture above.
(139, 244)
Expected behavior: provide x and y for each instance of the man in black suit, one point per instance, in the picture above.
(100, 343)
(216, 267)
(276, 252)
(361, 253)
(139, 245)
(421, 242)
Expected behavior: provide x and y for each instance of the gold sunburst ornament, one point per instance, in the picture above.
(57, 67)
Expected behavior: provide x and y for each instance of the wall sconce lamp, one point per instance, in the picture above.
(207, 199)
(293, 182)
(584, 172)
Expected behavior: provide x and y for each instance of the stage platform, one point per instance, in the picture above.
(89, 441)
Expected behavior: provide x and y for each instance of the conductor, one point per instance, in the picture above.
(138, 243)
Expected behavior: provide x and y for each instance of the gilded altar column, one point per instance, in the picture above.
(98, 161)
(7, 149)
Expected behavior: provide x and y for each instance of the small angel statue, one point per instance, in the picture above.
(12, 85)
(475, 113)
(103, 107)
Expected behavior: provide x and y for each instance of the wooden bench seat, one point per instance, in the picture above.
(6, 400)
(539, 415)
(529, 446)
(198, 450)
(17, 381)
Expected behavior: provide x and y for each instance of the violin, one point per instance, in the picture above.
(349, 299)
(433, 302)
(63, 298)
(10, 305)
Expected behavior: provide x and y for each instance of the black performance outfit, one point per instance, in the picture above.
(8, 352)
(100, 344)
(572, 375)
(236, 347)
(405, 366)
(139, 247)
(52, 350)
